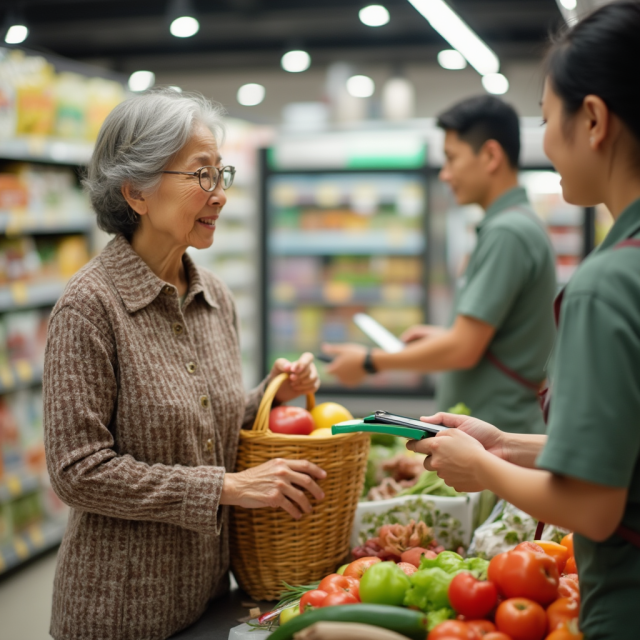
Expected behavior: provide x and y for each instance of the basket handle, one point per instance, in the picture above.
(261, 424)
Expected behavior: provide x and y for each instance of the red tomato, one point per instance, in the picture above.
(524, 574)
(452, 629)
(293, 421)
(496, 635)
(558, 552)
(482, 627)
(312, 600)
(569, 632)
(335, 598)
(335, 583)
(470, 597)
(567, 542)
(407, 567)
(522, 619)
(529, 546)
(357, 568)
(571, 566)
(413, 556)
(561, 611)
(568, 588)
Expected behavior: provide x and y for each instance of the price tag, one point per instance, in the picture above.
(6, 377)
(36, 536)
(14, 485)
(24, 370)
(21, 548)
(19, 293)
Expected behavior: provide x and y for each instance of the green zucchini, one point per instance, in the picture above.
(406, 622)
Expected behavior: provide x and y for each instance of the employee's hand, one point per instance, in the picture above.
(490, 437)
(347, 363)
(420, 331)
(278, 483)
(303, 377)
(453, 455)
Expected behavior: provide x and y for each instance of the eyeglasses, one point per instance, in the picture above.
(209, 176)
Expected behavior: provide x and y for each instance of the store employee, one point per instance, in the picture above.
(495, 351)
(588, 467)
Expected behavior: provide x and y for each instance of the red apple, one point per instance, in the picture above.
(293, 421)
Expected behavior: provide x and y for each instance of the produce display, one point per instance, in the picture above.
(524, 593)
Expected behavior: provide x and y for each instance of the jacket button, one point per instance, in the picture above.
(191, 367)
(178, 329)
(208, 445)
(167, 290)
(204, 401)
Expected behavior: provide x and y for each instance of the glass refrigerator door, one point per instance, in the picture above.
(338, 244)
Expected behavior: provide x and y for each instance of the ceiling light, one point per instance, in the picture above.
(452, 28)
(375, 15)
(249, 95)
(451, 59)
(184, 27)
(495, 83)
(360, 86)
(141, 80)
(569, 4)
(16, 34)
(295, 61)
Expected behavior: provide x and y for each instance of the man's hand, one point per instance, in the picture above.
(303, 377)
(348, 362)
(421, 331)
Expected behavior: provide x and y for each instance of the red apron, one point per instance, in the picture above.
(631, 536)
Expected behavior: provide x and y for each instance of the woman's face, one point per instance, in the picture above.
(180, 208)
(566, 144)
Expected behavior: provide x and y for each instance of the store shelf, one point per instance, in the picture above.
(33, 541)
(12, 224)
(326, 243)
(19, 375)
(286, 297)
(40, 149)
(21, 296)
(16, 485)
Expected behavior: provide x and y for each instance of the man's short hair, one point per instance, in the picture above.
(483, 118)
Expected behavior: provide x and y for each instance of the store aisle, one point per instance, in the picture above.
(25, 601)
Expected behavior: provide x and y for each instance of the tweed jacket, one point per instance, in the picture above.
(143, 405)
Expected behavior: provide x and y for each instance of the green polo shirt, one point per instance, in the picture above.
(594, 422)
(509, 283)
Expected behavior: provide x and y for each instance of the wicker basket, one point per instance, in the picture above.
(267, 545)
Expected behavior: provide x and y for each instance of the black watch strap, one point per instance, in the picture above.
(368, 365)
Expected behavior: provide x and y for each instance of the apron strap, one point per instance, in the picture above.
(514, 375)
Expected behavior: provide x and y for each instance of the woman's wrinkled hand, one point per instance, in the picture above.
(278, 483)
(303, 377)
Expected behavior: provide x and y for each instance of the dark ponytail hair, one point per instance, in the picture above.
(601, 56)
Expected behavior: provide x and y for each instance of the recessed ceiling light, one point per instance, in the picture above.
(360, 86)
(375, 15)
(295, 61)
(141, 80)
(184, 27)
(569, 4)
(249, 95)
(451, 59)
(16, 34)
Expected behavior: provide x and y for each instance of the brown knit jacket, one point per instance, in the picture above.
(143, 404)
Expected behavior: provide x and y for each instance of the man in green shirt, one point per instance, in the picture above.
(494, 353)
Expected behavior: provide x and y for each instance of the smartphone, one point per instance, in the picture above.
(384, 417)
(379, 334)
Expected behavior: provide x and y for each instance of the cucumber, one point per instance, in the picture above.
(406, 622)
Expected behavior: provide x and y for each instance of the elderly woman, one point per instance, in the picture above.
(143, 391)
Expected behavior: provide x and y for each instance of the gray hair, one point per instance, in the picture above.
(136, 142)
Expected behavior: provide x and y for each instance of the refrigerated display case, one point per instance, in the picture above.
(340, 242)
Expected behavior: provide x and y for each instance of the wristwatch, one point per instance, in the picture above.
(368, 365)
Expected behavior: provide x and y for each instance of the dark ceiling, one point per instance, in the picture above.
(250, 33)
